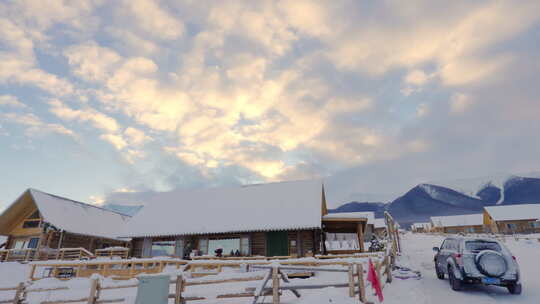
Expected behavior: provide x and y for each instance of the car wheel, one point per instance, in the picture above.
(514, 288)
(455, 283)
(439, 273)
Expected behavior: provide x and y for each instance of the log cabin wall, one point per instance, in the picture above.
(258, 243)
(137, 247)
(294, 243)
(307, 241)
(521, 226)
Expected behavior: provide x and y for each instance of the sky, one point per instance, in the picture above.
(100, 99)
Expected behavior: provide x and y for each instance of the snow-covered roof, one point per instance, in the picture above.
(514, 212)
(380, 223)
(421, 226)
(353, 215)
(77, 217)
(458, 220)
(262, 207)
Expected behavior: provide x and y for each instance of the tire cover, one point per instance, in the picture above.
(491, 263)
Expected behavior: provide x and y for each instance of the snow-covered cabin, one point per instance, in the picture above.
(421, 227)
(275, 219)
(42, 221)
(466, 223)
(509, 219)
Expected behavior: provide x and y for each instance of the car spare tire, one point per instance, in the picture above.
(491, 263)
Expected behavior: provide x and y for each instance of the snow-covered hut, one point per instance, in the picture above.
(275, 219)
(421, 227)
(509, 219)
(466, 223)
(44, 222)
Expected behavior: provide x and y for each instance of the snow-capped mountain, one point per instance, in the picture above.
(453, 197)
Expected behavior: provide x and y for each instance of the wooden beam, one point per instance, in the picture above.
(360, 233)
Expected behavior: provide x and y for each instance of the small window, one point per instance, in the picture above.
(511, 226)
(535, 224)
(31, 224)
(163, 248)
(33, 243)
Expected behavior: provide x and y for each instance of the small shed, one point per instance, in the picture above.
(467, 223)
(510, 219)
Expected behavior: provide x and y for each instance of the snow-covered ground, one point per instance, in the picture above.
(417, 254)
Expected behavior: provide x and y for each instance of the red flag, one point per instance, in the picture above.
(374, 280)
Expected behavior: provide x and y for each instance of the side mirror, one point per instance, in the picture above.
(436, 249)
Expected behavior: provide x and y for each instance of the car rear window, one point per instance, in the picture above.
(482, 245)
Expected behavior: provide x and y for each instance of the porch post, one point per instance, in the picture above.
(360, 233)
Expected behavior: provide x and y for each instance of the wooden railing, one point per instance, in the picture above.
(27, 255)
(120, 252)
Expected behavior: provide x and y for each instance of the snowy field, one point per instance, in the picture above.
(417, 255)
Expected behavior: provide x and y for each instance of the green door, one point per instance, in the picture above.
(276, 243)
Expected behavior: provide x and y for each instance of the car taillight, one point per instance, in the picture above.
(514, 258)
(458, 258)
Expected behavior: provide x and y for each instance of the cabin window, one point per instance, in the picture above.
(228, 245)
(163, 248)
(535, 224)
(511, 226)
(31, 223)
(33, 243)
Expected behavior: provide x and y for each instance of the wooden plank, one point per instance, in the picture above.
(178, 290)
(314, 269)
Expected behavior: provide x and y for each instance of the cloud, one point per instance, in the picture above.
(136, 137)
(416, 77)
(91, 62)
(34, 126)
(460, 103)
(117, 141)
(11, 101)
(97, 119)
(153, 19)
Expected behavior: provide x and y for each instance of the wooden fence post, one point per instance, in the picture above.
(351, 281)
(361, 285)
(18, 294)
(275, 285)
(179, 288)
(388, 270)
(93, 290)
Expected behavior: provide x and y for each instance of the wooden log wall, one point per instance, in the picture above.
(258, 243)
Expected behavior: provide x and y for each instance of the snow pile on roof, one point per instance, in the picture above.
(421, 226)
(77, 217)
(263, 207)
(380, 223)
(458, 220)
(370, 216)
(514, 212)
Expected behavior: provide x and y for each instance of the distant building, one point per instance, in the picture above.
(421, 227)
(509, 219)
(468, 223)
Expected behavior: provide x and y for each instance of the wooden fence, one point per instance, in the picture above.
(122, 269)
(354, 280)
